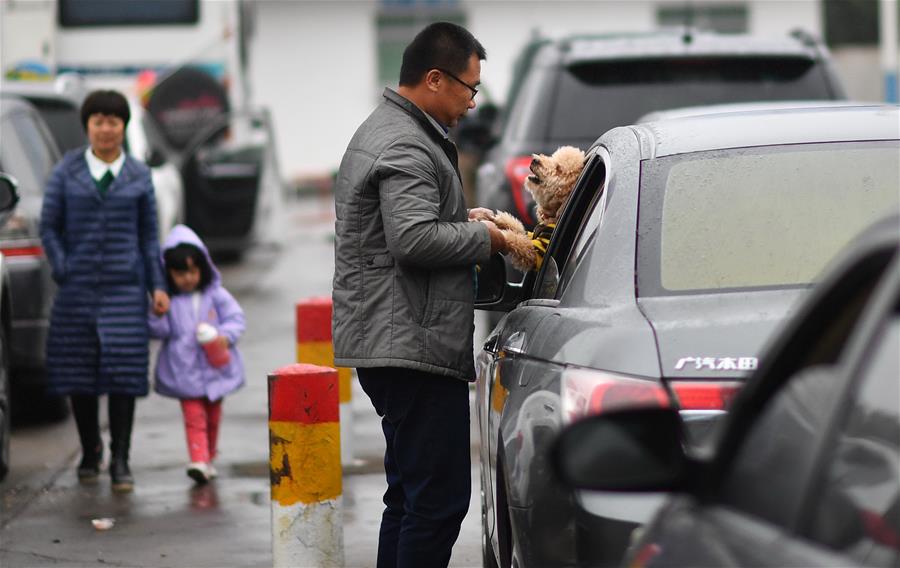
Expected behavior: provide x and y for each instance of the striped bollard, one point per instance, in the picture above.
(315, 346)
(305, 467)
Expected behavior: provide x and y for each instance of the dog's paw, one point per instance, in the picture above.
(506, 221)
(520, 250)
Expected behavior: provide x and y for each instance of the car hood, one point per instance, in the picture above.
(716, 335)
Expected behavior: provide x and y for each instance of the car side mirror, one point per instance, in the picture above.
(494, 291)
(9, 193)
(629, 450)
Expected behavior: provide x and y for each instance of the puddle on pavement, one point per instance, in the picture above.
(204, 497)
(250, 469)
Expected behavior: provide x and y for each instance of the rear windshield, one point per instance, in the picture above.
(594, 97)
(64, 123)
(758, 218)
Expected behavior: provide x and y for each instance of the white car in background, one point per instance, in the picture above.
(167, 182)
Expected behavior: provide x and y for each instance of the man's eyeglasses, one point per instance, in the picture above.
(452, 76)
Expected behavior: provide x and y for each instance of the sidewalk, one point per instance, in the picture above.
(168, 522)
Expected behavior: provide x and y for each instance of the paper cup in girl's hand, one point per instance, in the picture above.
(216, 350)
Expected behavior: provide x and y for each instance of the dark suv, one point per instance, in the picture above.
(571, 91)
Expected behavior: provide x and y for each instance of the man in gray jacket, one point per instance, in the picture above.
(404, 286)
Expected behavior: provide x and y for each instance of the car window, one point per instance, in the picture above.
(595, 96)
(528, 115)
(64, 123)
(586, 233)
(24, 152)
(777, 459)
(859, 509)
(775, 435)
(758, 218)
(574, 217)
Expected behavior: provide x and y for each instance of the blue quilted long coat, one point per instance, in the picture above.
(104, 255)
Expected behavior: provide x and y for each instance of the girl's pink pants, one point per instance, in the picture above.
(201, 424)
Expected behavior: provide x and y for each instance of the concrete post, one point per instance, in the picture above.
(305, 467)
(315, 346)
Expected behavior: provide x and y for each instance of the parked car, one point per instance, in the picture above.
(807, 471)
(570, 91)
(28, 153)
(684, 112)
(168, 187)
(684, 244)
(8, 199)
(226, 159)
(59, 104)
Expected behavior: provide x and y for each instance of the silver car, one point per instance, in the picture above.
(683, 247)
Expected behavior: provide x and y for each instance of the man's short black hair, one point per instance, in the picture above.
(441, 45)
(176, 259)
(105, 102)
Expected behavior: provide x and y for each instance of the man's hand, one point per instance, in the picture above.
(160, 302)
(498, 241)
(481, 214)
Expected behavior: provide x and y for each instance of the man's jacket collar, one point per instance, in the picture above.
(429, 124)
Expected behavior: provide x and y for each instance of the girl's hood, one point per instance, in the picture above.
(184, 234)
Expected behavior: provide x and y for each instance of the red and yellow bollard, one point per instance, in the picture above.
(315, 346)
(305, 467)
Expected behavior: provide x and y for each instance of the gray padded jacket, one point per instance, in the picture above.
(404, 252)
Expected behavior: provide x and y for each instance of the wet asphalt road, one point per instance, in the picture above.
(168, 522)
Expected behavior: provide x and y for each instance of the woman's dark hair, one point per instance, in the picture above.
(441, 45)
(105, 102)
(176, 259)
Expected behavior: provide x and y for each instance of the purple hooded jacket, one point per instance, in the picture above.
(182, 370)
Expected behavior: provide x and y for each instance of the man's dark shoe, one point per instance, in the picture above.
(89, 468)
(122, 480)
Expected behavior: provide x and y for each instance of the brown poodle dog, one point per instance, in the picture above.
(550, 183)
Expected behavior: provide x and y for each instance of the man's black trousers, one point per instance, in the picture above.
(425, 418)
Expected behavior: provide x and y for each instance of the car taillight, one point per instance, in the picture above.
(587, 392)
(705, 395)
(10, 251)
(517, 171)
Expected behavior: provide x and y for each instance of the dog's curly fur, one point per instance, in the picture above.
(550, 183)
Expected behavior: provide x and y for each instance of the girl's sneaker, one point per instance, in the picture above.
(199, 472)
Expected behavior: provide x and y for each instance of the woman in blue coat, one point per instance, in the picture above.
(99, 231)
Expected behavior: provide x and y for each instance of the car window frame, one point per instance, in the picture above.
(568, 228)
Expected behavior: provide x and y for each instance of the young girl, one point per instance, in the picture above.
(184, 370)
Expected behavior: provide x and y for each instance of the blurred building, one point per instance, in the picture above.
(320, 65)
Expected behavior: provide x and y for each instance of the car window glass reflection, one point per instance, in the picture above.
(34, 143)
(15, 158)
(859, 513)
(752, 218)
(585, 238)
(775, 462)
(550, 281)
